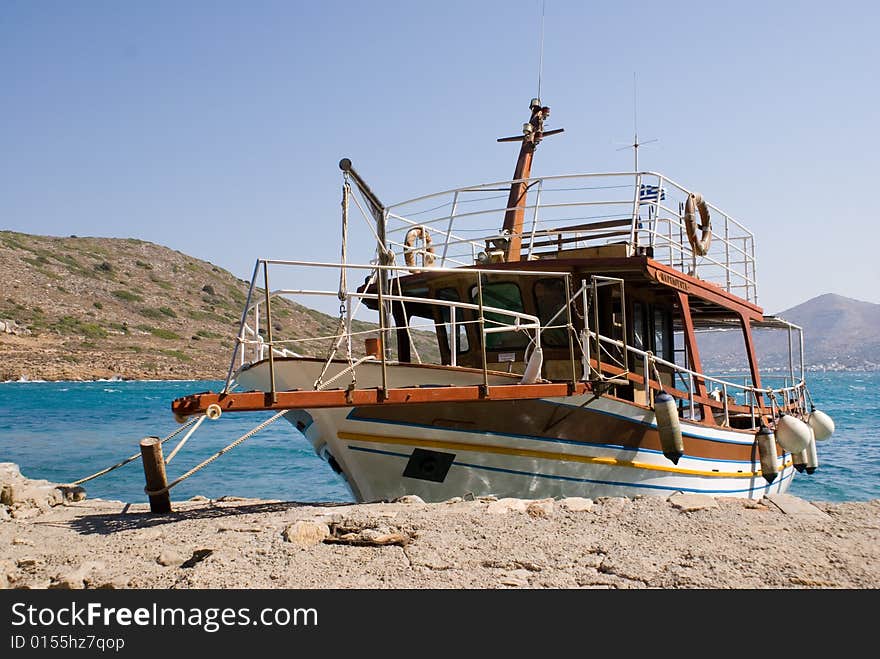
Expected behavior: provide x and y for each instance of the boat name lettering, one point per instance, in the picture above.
(672, 281)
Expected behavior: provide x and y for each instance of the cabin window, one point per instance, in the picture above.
(549, 299)
(502, 295)
(461, 339)
(638, 325)
(663, 335)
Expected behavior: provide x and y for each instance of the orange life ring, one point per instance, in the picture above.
(694, 203)
(411, 250)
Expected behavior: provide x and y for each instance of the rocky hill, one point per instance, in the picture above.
(89, 308)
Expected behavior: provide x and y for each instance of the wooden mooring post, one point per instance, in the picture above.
(154, 471)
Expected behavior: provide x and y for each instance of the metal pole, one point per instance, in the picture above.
(585, 336)
(382, 326)
(269, 334)
(596, 325)
(569, 327)
(449, 228)
(453, 338)
(483, 333)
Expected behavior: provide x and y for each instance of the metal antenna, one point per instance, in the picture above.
(541, 48)
(636, 144)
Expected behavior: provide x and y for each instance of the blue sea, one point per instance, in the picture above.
(64, 431)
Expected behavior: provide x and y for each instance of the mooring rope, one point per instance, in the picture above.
(205, 463)
(137, 455)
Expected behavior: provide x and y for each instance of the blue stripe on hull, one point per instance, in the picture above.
(750, 490)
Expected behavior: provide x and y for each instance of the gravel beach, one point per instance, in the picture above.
(56, 537)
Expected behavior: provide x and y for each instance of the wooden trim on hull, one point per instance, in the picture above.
(255, 401)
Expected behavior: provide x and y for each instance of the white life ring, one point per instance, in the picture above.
(427, 251)
(696, 202)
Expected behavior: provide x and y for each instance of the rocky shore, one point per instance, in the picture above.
(54, 536)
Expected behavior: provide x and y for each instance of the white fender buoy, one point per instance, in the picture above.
(792, 434)
(214, 411)
(533, 368)
(812, 457)
(766, 441)
(822, 425)
(799, 460)
(668, 426)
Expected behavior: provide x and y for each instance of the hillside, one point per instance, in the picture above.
(840, 333)
(89, 308)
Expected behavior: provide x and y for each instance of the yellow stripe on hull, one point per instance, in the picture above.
(546, 455)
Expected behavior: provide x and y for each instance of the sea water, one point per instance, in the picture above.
(64, 431)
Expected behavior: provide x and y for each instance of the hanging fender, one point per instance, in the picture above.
(695, 203)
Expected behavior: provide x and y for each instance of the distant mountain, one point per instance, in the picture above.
(840, 333)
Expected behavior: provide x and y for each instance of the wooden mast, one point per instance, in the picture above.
(533, 133)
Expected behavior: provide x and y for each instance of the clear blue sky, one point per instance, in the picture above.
(215, 128)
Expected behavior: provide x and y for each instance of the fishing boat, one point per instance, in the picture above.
(565, 311)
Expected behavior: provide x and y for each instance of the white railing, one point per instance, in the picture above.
(252, 346)
(642, 211)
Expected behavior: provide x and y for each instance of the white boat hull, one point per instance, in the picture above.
(588, 446)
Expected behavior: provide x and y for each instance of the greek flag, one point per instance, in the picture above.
(649, 193)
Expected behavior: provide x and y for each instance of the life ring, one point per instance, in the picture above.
(696, 202)
(411, 250)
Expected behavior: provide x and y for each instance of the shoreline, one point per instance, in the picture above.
(56, 537)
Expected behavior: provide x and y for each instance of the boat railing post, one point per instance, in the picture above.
(585, 335)
(382, 334)
(453, 338)
(239, 344)
(569, 329)
(449, 228)
(623, 325)
(483, 335)
(752, 406)
(691, 393)
(727, 252)
(647, 378)
(348, 318)
(596, 325)
(272, 391)
(726, 409)
(258, 345)
(633, 235)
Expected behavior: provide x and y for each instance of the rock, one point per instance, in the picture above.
(4, 514)
(7, 573)
(103, 581)
(517, 578)
(409, 498)
(22, 541)
(207, 288)
(504, 506)
(171, 557)
(796, 507)
(7, 495)
(72, 493)
(199, 498)
(454, 500)
(542, 508)
(576, 504)
(67, 581)
(306, 533)
(691, 502)
(75, 579)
